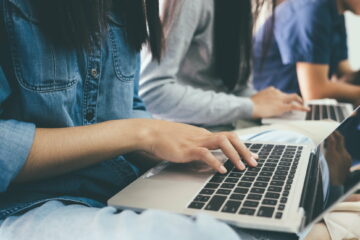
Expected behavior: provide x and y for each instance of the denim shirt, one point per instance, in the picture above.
(45, 86)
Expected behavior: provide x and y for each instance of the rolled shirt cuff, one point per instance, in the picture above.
(15, 145)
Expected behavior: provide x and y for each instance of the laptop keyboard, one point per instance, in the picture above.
(320, 112)
(261, 191)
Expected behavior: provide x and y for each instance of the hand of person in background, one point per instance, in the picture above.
(272, 102)
(353, 78)
(338, 158)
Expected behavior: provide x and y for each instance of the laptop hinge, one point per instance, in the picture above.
(312, 195)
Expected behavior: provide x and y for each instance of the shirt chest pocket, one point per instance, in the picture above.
(39, 65)
(124, 58)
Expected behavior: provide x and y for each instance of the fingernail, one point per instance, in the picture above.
(254, 155)
(223, 170)
(253, 161)
(242, 166)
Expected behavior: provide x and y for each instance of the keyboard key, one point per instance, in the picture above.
(281, 207)
(228, 165)
(201, 198)
(274, 189)
(281, 173)
(241, 190)
(256, 170)
(286, 193)
(266, 212)
(257, 190)
(235, 174)
(286, 164)
(228, 185)
(254, 197)
(266, 174)
(244, 184)
(283, 168)
(247, 211)
(212, 185)
(263, 179)
(277, 183)
(217, 179)
(256, 146)
(215, 203)
(223, 191)
(332, 113)
(287, 187)
(272, 165)
(196, 205)
(231, 206)
(282, 178)
(272, 202)
(207, 191)
(231, 180)
(248, 179)
(253, 174)
(272, 195)
(269, 169)
(251, 204)
(261, 184)
(237, 196)
(283, 199)
(278, 215)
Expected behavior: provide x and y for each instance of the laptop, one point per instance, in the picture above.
(286, 192)
(323, 109)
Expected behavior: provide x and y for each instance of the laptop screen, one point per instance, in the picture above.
(339, 159)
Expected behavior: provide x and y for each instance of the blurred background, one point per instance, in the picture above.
(353, 27)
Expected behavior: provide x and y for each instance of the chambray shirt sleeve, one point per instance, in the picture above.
(304, 35)
(16, 139)
(167, 98)
(139, 109)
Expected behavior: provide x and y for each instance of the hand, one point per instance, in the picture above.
(181, 143)
(272, 102)
(353, 198)
(353, 78)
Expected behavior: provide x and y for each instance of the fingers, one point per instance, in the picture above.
(204, 154)
(297, 107)
(294, 98)
(353, 198)
(244, 152)
(296, 103)
(221, 141)
(233, 148)
(229, 150)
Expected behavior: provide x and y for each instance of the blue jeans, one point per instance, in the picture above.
(55, 220)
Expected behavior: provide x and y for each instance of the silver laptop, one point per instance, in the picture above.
(284, 193)
(323, 109)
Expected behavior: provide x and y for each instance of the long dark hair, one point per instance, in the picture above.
(78, 23)
(233, 32)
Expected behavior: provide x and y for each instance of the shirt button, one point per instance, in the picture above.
(94, 73)
(90, 115)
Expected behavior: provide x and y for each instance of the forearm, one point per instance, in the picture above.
(337, 90)
(187, 104)
(58, 151)
(315, 84)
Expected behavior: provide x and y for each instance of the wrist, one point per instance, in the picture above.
(144, 133)
(255, 111)
(131, 135)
